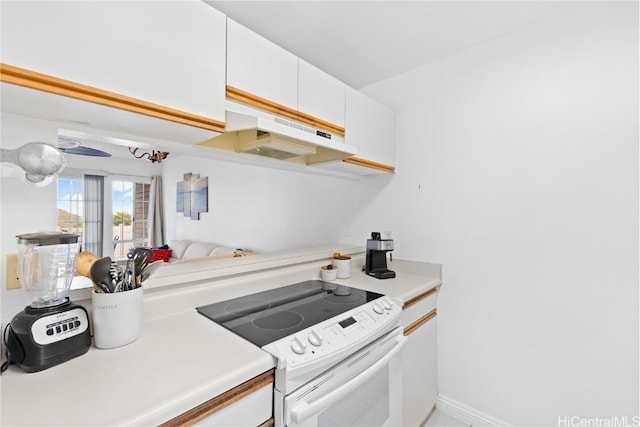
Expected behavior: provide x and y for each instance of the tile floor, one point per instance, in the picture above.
(440, 419)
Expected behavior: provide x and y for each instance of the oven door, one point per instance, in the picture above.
(363, 390)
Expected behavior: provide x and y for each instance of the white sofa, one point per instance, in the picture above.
(191, 251)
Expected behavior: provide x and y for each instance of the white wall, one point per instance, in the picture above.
(518, 170)
(25, 208)
(251, 207)
(258, 208)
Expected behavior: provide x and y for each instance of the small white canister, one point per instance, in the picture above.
(343, 264)
(328, 272)
(117, 318)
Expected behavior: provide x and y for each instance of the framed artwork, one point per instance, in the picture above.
(192, 195)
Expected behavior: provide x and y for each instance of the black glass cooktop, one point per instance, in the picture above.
(265, 317)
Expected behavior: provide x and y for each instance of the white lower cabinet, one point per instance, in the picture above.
(249, 404)
(419, 359)
(253, 410)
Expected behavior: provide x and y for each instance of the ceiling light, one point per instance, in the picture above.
(154, 156)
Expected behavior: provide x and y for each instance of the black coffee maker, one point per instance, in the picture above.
(376, 257)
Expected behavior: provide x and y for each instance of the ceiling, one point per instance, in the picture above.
(363, 42)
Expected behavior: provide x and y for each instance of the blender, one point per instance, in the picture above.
(51, 330)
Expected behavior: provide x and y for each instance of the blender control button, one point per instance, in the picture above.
(76, 323)
(70, 325)
(58, 329)
(50, 331)
(64, 327)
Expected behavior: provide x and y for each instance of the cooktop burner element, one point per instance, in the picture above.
(345, 299)
(268, 316)
(280, 320)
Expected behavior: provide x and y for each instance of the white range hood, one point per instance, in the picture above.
(253, 131)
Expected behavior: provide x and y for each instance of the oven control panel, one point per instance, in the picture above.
(337, 334)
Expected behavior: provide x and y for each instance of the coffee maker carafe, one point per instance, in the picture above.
(376, 257)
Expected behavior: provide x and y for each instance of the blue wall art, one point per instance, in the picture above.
(192, 195)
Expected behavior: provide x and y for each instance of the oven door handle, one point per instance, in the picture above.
(304, 410)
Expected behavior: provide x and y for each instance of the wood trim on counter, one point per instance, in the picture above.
(220, 402)
(269, 423)
(421, 321)
(419, 298)
(369, 164)
(239, 95)
(42, 82)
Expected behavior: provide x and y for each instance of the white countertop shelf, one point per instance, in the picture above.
(181, 358)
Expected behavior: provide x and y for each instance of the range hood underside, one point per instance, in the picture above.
(253, 141)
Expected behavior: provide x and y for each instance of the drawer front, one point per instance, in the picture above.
(418, 307)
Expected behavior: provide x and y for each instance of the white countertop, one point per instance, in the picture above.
(181, 358)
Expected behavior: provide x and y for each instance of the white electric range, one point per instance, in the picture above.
(338, 351)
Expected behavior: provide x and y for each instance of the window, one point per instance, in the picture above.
(130, 213)
(70, 204)
(109, 212)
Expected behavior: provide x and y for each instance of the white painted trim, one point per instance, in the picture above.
(467, 414)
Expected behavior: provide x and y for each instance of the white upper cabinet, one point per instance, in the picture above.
(320, 94)
(166, 53)
(257, 66)
(371, 128)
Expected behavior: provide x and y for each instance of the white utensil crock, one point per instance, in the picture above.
(117, 318)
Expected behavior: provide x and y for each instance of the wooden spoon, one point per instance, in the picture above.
(84, 262)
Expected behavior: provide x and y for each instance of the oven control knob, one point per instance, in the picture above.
(386, 304)
(298, 346)
(378, 308)
(315, 338)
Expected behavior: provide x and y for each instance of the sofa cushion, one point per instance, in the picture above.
(179, 247)
(199, 249)
(183, 250)
(222, 251)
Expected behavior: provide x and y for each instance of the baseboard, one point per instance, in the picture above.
(467, 414)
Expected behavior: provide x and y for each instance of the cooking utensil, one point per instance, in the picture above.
(149, 270)
(141, 258)
(129, 276)
(100, 274)
(101, 288)
(84, 262)
(116, 273)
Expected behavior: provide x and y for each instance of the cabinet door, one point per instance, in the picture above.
(254, 409)
(371, 128)
(419, 364)
(259, 67)
(248, 404)
(320, 95)
(166, 53)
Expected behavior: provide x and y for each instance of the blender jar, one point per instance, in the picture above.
(46, 262)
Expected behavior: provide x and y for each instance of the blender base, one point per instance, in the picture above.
(39, 338)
